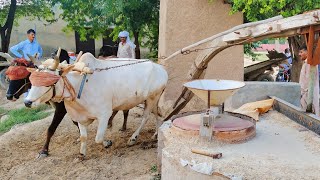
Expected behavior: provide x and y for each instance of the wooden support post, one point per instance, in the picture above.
(313, 60)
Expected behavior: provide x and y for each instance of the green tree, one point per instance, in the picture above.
(94, 17)
(255, 10)
(12, 11)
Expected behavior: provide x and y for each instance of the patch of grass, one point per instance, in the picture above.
(153, 168)
(23, 115)
(154, 171)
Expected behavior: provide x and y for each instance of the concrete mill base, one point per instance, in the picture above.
(281, 149)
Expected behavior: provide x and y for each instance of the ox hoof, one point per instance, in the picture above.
(123, 129)
(42, 154)
(107, 143)
(132, 142)
(109, 125)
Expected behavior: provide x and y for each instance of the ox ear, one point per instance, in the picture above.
(67, 70)
(31, 69)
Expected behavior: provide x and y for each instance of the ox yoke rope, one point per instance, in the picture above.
(25, 83)
(113, 67)
(66, 85)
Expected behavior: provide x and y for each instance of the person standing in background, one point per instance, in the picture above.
(304, 82)
(288, 54)
(29, 46)
(126, 48)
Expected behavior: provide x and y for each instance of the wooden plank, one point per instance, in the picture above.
(277, 26)
(310, 43)
(219, 35)
(263, 64)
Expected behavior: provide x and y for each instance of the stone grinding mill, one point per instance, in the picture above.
(214, 122)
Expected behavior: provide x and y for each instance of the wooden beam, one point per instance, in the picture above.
(305, 30)
(308, 120)
(236, 28)
(294, 22)
(310, 43)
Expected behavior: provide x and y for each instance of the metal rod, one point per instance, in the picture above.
(209, 99)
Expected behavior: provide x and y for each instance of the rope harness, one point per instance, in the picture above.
(66, 85)
(48, 79)
(24, 85)
(18, 70)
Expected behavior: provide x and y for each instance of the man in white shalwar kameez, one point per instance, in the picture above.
(304, 82)
(126, 48)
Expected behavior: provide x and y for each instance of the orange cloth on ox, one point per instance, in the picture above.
(17, 72)
(18, 69)
(43, 78)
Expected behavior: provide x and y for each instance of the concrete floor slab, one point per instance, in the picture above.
(282, 149)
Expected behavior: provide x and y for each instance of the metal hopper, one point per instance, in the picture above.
(214, 91)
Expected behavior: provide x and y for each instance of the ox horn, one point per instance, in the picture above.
(32, 58)
(56, 60)
(79, 56)
(56, 63)
(59, 52)
(7, 56)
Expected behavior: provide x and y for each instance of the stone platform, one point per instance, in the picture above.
(281, 149)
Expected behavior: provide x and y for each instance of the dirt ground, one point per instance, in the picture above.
(20, 146)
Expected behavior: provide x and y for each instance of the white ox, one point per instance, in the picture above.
(120, 88)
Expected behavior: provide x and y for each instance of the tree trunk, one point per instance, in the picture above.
(295, 43)
(136, 41)
(6, 29)
(4, 44)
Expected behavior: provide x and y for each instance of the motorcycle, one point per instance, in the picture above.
(283, 75)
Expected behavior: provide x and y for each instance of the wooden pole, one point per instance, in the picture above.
(312, 70)
(207, 153)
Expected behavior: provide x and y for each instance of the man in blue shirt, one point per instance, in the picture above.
(29, 46)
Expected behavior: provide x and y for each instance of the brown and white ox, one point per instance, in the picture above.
(118, 88)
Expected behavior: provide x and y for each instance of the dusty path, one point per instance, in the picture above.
(19, 147)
